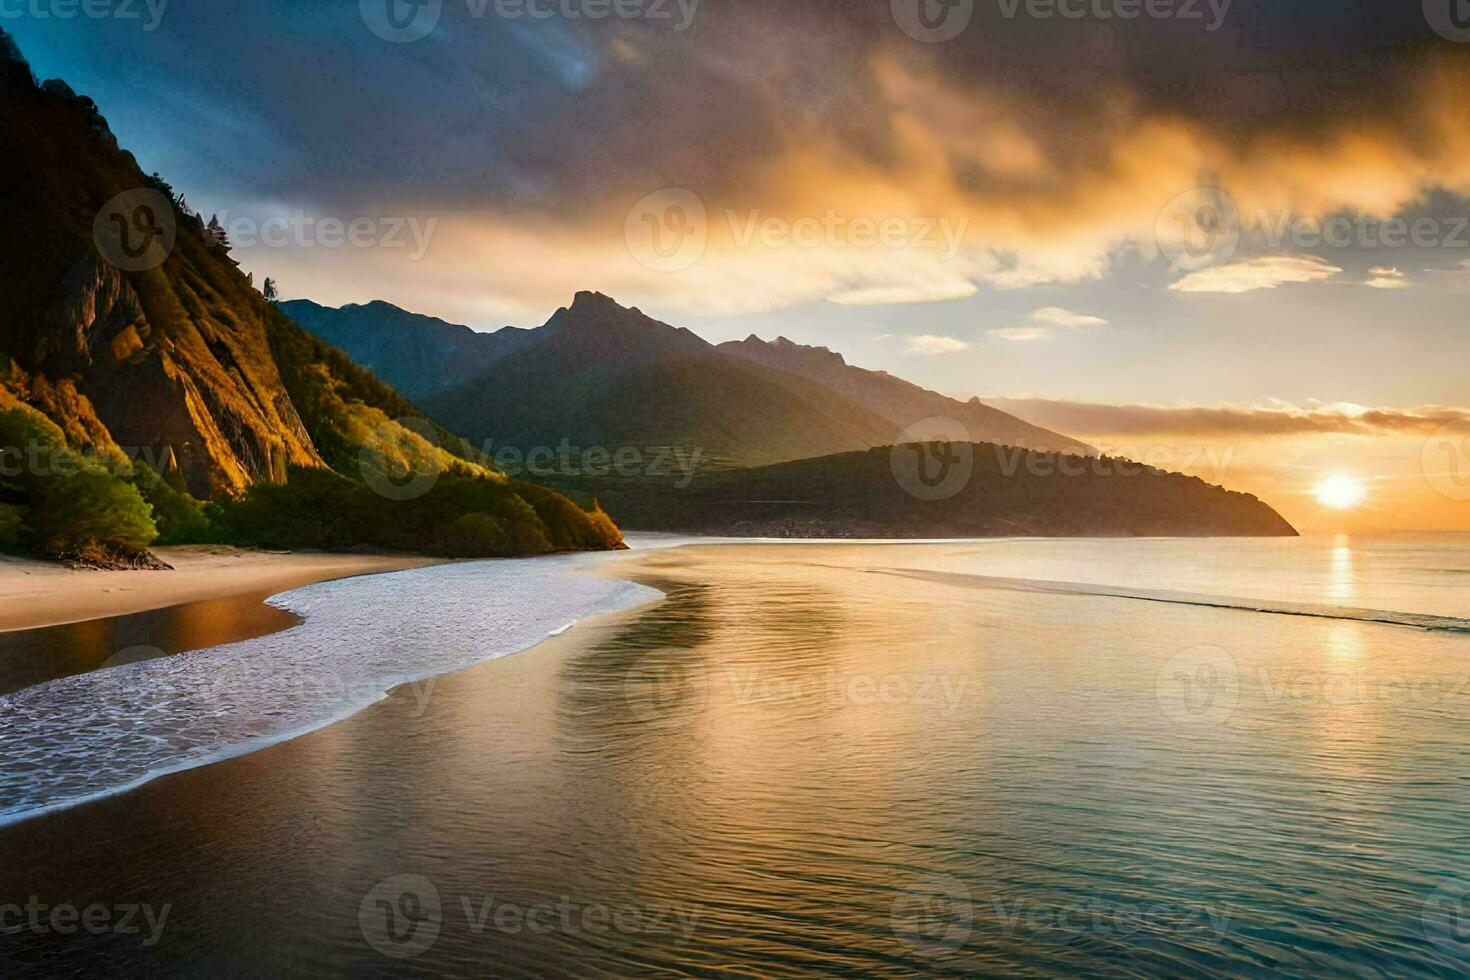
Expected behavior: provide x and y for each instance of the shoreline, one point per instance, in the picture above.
(342, 697)
(36, 594)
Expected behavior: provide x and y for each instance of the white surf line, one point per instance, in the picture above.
(1383, 617)
(81, 738)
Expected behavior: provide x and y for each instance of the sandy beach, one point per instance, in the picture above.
(38, 593)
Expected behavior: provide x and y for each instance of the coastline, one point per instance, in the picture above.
(36, 594)
(285, 685)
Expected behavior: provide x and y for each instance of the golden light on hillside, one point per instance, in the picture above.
(1340, 492)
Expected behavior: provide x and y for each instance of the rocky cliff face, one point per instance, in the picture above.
(163, 355)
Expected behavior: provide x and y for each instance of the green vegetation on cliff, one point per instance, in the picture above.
(168, 401)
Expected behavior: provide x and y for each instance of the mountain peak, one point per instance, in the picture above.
(600, 325)
(590, 301)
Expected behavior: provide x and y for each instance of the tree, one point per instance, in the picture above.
(271, 294)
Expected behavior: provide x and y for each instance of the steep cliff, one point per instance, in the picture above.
(166, 350)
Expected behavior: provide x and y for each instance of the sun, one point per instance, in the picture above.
(1340, 492)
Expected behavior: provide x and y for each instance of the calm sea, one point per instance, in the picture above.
(1042, 758)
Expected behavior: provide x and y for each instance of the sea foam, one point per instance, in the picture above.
(91, 735)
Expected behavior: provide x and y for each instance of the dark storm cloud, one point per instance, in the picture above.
(1052, 145)
(557, 113)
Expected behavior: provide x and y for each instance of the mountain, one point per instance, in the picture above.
(902, 403)
(599, 374)
(418, 355)
(140, 369)
(981, 490)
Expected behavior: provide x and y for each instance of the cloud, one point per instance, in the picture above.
(985, 196)
(792, 109)
(1058, 317)
(932, 344)
(1387, 277)
(1099, 422)
(1266, 272)
(1020, 333)
(896, 295)
(1047, 319)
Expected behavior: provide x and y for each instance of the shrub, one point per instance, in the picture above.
(11, 519)
(181, 518)
(73, 504)
(89, 509)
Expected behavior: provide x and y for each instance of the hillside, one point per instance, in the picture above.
(902, 403)
(419, 355)
(141, 373)
(995, 491)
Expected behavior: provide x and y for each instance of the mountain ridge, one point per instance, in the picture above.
(426, 353)
(917, 412)
(597, 372)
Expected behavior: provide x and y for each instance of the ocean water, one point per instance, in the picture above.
(1040, 758)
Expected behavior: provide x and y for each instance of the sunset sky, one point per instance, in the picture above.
(996, 213)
